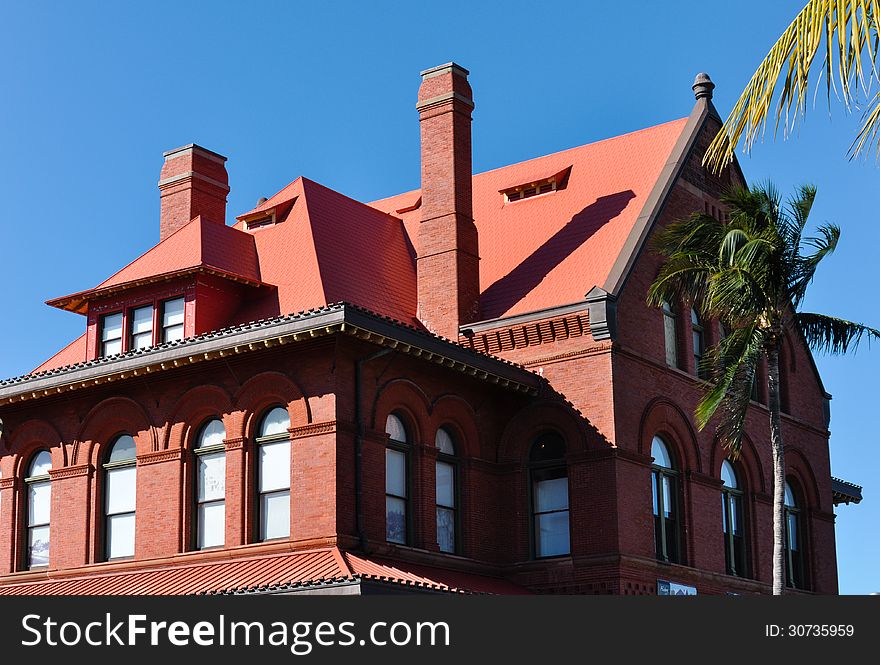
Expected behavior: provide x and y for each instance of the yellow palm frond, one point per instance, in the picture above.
(849, 31)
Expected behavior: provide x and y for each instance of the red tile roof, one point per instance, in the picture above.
(263, 573)
(199, 244)
(535, 253)
(73, 353)
(552, 249)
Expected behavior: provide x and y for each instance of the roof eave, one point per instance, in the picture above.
(335, 319)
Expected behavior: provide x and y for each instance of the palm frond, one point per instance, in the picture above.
(848, 29)
(803, 268)
(832, 335)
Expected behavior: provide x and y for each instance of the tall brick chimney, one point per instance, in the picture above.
(193, 182)
(448, 266)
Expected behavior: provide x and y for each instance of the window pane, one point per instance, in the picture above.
(728, 475)
(142, 320)
(38, 546)
(172, 333)
(141, 340)
(660, 453)
(41, 464)
(212, 477)
(277, 421)
(395, 520)
(395, 472)
(39, 503)
(123, 450)
(212, 525)
(551, 532)
(668, 497)
(111, 348)
(792, 532)
(275, 515)
(274, 466)
(446, 529)
(121, 490)
(394, 428)
(736, 515)
(172, 312)
(120, 535)
(789, 497)
(212, 434)
(444, 443)
(551, 495)
(111, 327)
(654, 494)
(725, 502)
(445, 485)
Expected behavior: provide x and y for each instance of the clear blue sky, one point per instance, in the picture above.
(92, 93)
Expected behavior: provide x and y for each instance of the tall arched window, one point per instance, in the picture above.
(39, 491)
(273, 475)
(670, 335)
(549, 500)
(794, 555)
(120, 483)
(734, 523)
(699, 343)
(210, 466)
(447, 492)
(664, 486)
(396, 481)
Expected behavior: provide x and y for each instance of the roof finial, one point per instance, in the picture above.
(703, 86)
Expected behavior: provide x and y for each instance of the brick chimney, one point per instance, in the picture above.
(448, 266)
(193, 182)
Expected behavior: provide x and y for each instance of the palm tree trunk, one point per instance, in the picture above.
(778, 470)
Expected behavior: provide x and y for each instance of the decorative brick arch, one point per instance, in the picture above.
(32, 435)
(798, 466)
(457, 415)
(262, 391)
(192, 409)
(666, 419)
(542, 416)
(108, 418)
(405, 397)
(748, 460)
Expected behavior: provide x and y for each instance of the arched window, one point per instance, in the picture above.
(794, 555)
(447, 492)
(120, 483)
(699, 343)
(273, 475)
(549, 501)
(664, 486)
(670, 335)
(210, 465)
(39, 491)
(734, 523)
(396, 481)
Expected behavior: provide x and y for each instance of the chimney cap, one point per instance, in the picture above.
(703, 86)
(191, 148)
(444, 69)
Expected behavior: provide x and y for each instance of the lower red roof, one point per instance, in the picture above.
(265, 573)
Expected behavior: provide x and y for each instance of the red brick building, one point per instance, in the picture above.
(456, 388)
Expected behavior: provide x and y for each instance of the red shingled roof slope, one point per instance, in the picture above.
(329, 248)
(552, 249)
(535, 253)
(301, 569)
(73, 353)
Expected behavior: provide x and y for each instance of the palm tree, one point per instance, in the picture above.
(846, 33)
(752, 273)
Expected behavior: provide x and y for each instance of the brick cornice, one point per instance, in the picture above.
(817, 514)
(325, 427)
(7, 483)
(234, 444)
(159, 456)
(70, 472)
